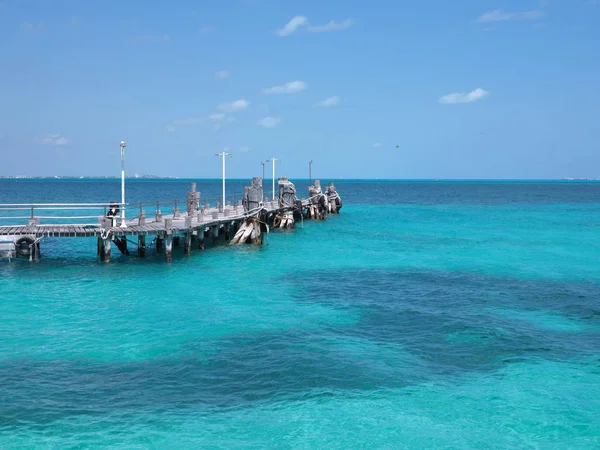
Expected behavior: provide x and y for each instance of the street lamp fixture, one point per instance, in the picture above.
(273, 161)
(223, 154)
(122, 145)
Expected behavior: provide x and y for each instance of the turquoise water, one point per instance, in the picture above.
(426, 315)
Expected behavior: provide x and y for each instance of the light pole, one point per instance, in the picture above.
(273, 161)
(310, 171)
(263, 165)
(123, 145)
(223, 154)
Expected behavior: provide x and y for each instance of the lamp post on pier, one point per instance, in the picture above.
(123, 145)
(263, 166)
(223, 154)
(273, 161)
(310, 171)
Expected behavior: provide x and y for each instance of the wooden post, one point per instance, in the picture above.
(159, 244)
(187, 243)
(169, 247)
(141, 245)
(104, 245)
(35, 251)
(215, 234)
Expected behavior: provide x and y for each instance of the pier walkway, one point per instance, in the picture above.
(243, 222)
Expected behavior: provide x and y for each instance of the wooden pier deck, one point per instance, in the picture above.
(244, 222)
(202, 218)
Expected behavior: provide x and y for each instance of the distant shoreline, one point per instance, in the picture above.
(392, 180)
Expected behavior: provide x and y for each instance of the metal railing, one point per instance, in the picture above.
(56, 213)
(66, 213)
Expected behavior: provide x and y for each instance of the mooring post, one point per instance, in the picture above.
(187, 239)
(193, 200)
(35, 251)
(169, 247)
(158, 217)
(142, 216)
(187, 243)
(141, 245)
(215, 234)
(104, 244)
(169, 239)
(176, 213)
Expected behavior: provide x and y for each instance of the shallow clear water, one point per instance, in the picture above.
(426, 315)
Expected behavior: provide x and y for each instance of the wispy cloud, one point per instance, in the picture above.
(55, 139)
(207, 29)
(222, 74)
(290, 27)
(301, 22)
(288, 88)
(244, 149)
(148, 38)
(31, 26)
(464, 97)
(269, 122)
(332, 25)
(237, 105)
(328, 102)
(377, 145)
(498, 15)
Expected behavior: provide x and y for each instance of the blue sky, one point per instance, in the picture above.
(378, 89)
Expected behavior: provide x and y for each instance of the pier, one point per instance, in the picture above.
(243, 222)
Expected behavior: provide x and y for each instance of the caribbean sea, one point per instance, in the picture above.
(426, 315)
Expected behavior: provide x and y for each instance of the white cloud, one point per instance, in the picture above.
(30, 26)
(464, 97)
(294, 23)
(244, 149)
(377, 145)
(298, 22)
(55, 139)
(269, 122)
(189, 121)
(498, 15)
(237, 105)
(288, 88)
(222, 74)
(207, 29)
(332, 25)
(216, 116)
(328, 102)
(171, 128)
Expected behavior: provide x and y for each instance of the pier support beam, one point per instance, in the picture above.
(159, 244)
(141, 245)
(187, 243)
(169, 247)
(104, 249)
(35, 251)
(215, 235)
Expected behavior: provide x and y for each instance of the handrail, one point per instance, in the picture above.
(61, 204)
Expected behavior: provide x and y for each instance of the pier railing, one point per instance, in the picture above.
(57, 213)
(89, 213)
